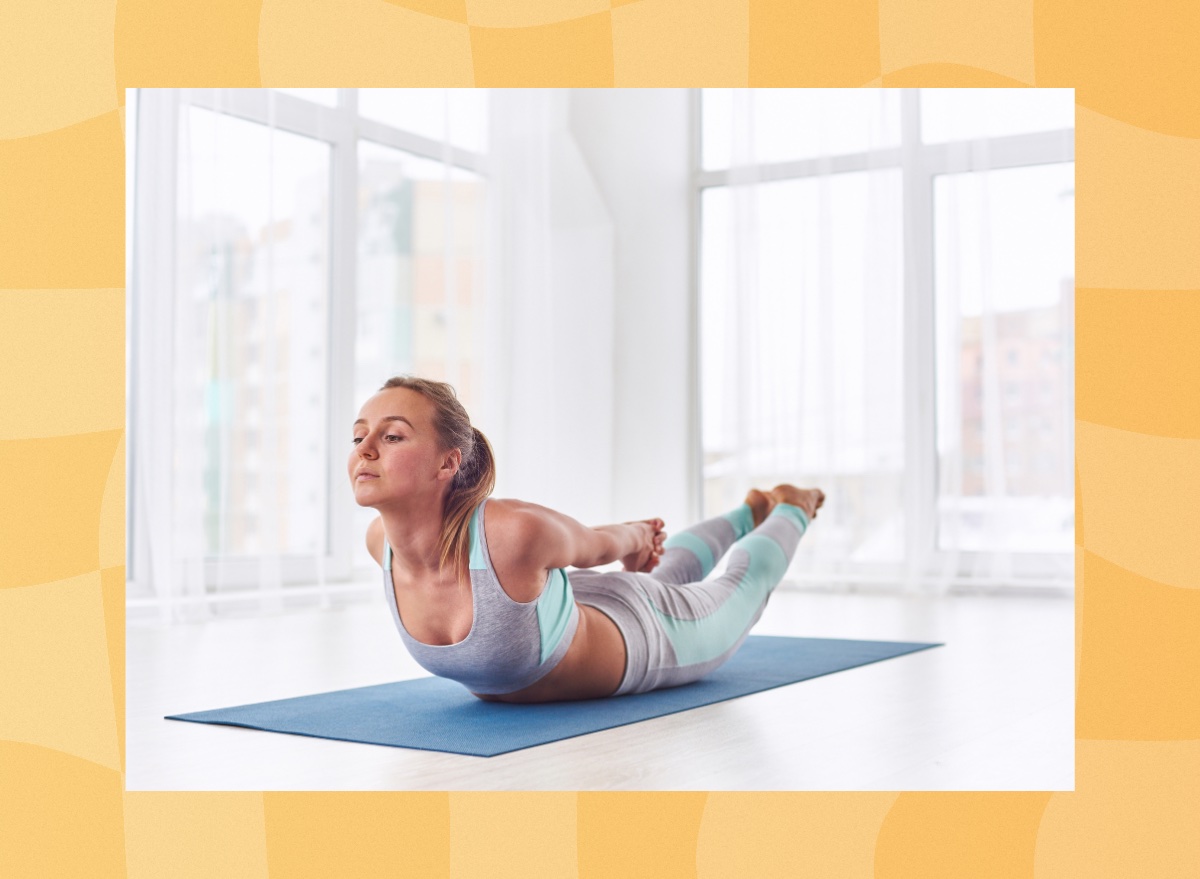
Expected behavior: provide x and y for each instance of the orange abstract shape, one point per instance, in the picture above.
(981, 835)
(73, 343)
(526, 835)
(53, 77)
(787, 834)
(361, 43)
(193, 43)
(991, 35)
(1137, 205)
(59, 815)
(112, 511)
(654, 835)
(1138, 665)
(112, 587)
(448, 10)
(1135, 812)
(682, 43)
(1141, 502)
(813, 43)
(318, 835)
(195, 835)
(56, 688)
(1079, 588)
(530, 13)
(576, 53)
(1136, 361)
(949, 76)
(1078, 492)
(50, 519)
(62, 207)
(1132, 61)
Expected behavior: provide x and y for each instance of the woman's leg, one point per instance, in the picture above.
(690, 555)
(694, 627)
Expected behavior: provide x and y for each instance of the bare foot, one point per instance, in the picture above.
(761, 503)
(808, 499)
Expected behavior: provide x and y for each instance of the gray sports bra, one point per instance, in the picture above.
(511, 644)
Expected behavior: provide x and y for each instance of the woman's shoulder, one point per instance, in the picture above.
(506, 521)
(514, 521)
(511, 530)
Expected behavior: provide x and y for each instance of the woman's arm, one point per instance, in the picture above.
(549, 539)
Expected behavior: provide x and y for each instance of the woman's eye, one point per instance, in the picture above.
(392, 436)
(357, 440)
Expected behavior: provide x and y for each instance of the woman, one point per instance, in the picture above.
(477, 585)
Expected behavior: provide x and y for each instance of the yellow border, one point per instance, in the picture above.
(63, 70)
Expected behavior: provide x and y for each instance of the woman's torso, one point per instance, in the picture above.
(474, 630)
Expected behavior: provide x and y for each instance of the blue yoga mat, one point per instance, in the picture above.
(436, 714)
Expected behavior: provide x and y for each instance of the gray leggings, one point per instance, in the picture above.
(678, 626)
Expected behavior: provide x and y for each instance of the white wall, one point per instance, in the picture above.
(636, 143)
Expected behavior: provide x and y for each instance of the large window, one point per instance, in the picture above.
(256, 272)
(1004, 285)
(292, 249)
(886, 300)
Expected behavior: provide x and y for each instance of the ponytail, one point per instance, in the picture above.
(474, 481)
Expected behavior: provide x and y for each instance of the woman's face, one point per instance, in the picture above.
(395, 452)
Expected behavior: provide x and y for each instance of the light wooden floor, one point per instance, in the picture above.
(991, 710)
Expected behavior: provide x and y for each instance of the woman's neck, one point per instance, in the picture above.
(414, 532)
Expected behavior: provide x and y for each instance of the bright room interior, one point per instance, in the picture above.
(650, 301)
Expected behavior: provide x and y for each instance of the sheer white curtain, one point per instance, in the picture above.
(229, 351)
(863, 331)
(803, 301)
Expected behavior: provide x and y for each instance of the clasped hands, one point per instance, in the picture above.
(650, 546)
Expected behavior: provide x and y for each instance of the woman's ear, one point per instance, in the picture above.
(452, 462)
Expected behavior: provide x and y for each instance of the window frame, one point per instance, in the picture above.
(153, 267)
(919, 164)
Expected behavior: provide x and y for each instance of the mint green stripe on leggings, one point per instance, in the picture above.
(677, 625)
(705, 620)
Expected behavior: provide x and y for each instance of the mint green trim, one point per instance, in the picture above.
(795, 514)
(705, 639)
(477, 562)
(696, 546)
(742, 520)
(554, 608)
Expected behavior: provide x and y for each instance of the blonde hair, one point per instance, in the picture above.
(476, 476)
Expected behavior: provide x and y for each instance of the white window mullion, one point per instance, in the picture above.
(1014, 151)
(419, 145)
(919, 366)
(695, 412)
(342, 328)
(769, 172)
(281, 111)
